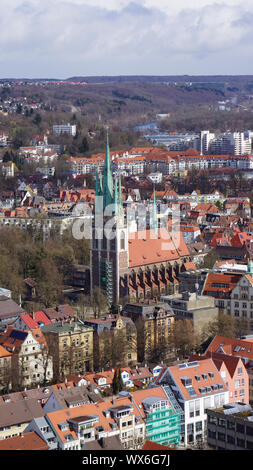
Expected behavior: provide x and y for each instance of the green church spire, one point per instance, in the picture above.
(115, 194)
(107, 180)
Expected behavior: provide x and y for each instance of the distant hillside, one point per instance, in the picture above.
(164, 78)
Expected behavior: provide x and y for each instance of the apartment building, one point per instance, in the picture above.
(196, 386)
(114, 341)
(232, 371)
(5, 369)
(162, 420)
(241, 304)
(153, 323)
(71, 345)
(242, 348)
(64, 129)
(76, 427)
(220, 285)
(16, 416)
(31, 362)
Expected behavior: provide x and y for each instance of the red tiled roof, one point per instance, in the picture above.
(232, 346)
(149, 445)
(202, 367)
(27, 441)
(220, 283)
(34, 320)
(231, 362)
(148, 248)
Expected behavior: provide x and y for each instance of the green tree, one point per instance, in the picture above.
(120, 381)
(115, 383)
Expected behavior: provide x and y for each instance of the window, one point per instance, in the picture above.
(211, 434)
(221, 422)
(231, 425)
(198, 426)
(230, 439)
(240, 443)
(122, 241)
(212, 419)
(240, 428)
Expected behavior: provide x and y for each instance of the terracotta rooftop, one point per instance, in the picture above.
(27, 441)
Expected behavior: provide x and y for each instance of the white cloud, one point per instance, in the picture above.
(66, 37)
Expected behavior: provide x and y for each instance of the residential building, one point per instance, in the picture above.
(5, 369)
(196, 386)
(163, 422)
(220, 285)
(75, 427)
(42, 428)
(31, 362)
(242, 348)
(68, 395)
(31, 321)
(15, 417)
(241, 304)
(29, 441)
(65, 129)
(71, 345)
(114, 341)
(232, 371)
(153, 323)
(9, 312)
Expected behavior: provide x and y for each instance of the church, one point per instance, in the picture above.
(127, 265)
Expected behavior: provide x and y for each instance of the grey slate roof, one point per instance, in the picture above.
(22, 411)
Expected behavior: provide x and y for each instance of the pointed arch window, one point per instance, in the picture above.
(122, 240)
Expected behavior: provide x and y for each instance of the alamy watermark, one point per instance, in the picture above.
(141, 222)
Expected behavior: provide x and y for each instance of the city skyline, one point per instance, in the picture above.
(64, 38)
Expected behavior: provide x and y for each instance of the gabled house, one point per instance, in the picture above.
(233, 372)
(194, 387)
(31, 361)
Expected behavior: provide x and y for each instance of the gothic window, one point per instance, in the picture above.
(122, 241)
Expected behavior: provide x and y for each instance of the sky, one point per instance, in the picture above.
(66, 38)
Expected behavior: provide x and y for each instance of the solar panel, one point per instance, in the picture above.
(18, 334)
(192, 364)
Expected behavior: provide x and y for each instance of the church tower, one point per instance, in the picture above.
(109, 244)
